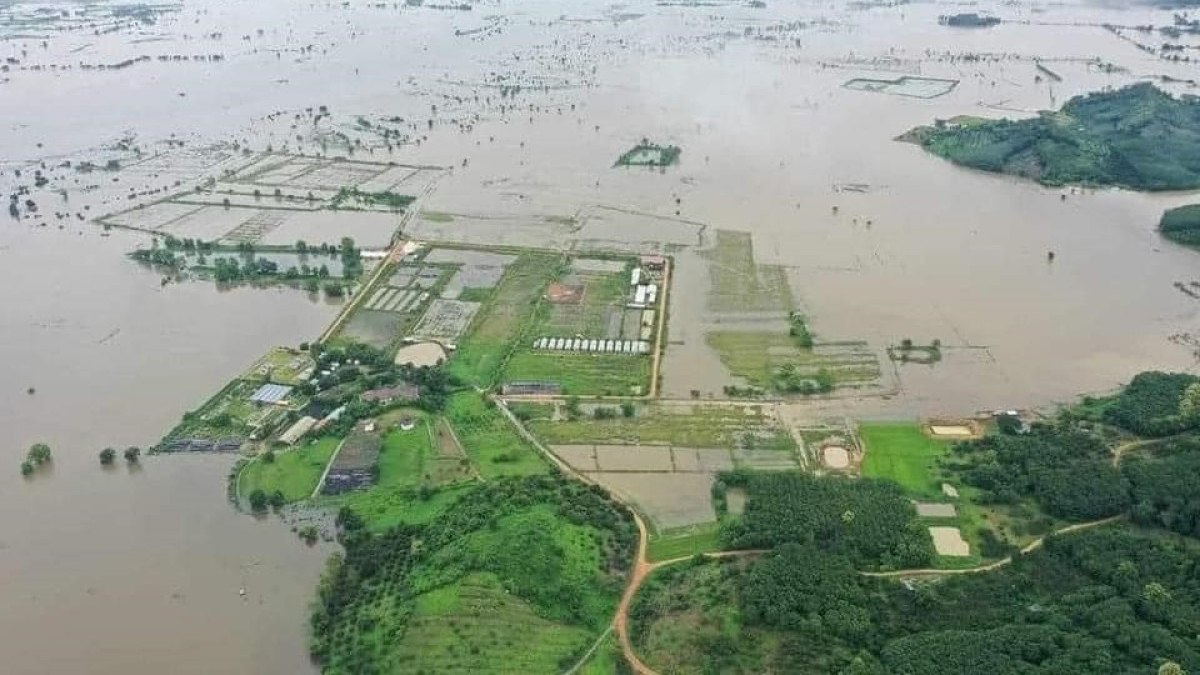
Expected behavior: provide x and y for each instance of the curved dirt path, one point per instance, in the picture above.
(642, 567)
(1028, 548)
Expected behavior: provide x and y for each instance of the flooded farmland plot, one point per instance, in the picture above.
(807, 247)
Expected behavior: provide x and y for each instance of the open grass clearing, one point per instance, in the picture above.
(902, 452)
(383, 508)
(500, 324)
(583, 374)
(491, 442)
(293, 472)
(682, 542)
(475, 625)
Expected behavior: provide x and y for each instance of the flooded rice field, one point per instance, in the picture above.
(790, 194)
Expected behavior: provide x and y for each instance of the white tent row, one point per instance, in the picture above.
(591, 345)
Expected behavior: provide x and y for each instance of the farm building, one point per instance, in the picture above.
(400, 392)
(653, 262)
(355, 466)
(596, 346)
(531, 388)
(271, 394)
(297, 430)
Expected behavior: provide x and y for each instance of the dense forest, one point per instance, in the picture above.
(1165, 486)
(1156, 404)
(550, 552)
(1122, 597)
(1138, 137)
(870, 522)
(1111, 600)
(1067, 471)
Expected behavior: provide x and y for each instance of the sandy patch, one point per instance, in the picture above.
(927, 510)
(421, 354)
(836, 457)
(951, 430)
(735, 501)
(949, 541)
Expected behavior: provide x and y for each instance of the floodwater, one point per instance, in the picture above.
(117, 572)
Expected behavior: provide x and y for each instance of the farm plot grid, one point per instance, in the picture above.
(671, 485)
(697, 425)
(579, 338)
(275, 200)
(392, 309)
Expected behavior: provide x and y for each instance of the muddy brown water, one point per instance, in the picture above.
(119, 572)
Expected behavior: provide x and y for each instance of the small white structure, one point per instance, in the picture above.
(635, 277)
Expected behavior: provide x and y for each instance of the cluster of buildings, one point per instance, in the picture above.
(593, 345)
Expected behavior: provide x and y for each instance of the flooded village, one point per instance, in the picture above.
(406, 248)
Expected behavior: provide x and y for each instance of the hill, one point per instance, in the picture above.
(1138, 137)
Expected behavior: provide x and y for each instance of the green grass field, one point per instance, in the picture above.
(901, 452)
(690, 541)
(605, 660)
(294, 472)
(583, 374)
(474, 626)
(491, 442)
(385, 507)
(501, 324)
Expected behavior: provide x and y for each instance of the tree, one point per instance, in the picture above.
(258, 500)
(39, 453)
(269, 457)
(277, 500)
(572, 406)
(107, 456)
(26, 468)
(133, 454)
(628, 409)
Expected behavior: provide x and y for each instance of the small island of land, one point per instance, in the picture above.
(1181, 224)
(1138, 137)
